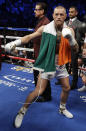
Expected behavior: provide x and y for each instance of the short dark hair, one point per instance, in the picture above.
(74, 7)
(43, 6)
(60, 7)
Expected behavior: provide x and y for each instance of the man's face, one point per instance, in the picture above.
(59, 16)
(38, 11)
(72, 13)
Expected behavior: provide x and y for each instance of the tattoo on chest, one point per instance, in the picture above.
(58, 37)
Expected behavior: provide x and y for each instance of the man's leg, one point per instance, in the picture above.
(46, 96)
(64, 96)
(41, 86)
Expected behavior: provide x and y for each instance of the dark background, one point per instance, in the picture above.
(20, 13)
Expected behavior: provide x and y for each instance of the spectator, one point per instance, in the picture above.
(83, 72)
(74, 23)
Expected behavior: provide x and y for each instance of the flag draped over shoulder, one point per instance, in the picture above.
(64, 52)
(46, 59)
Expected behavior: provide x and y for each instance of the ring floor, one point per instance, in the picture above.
(15, 84)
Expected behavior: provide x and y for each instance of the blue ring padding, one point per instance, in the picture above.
(1, 27)
(17, 29)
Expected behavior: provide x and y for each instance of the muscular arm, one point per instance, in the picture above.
(23, 40)
(36, 34)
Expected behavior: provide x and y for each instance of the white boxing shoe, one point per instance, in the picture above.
(18, 120)
(83, 88)
(19, 117)
(66, 113)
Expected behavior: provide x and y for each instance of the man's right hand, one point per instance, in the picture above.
(12, 45)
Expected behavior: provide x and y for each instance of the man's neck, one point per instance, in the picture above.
(58, 28)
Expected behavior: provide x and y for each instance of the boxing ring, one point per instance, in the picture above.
(16, 82)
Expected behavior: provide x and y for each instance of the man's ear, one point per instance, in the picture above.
(76, 13)
(43, 11)
(65, 16)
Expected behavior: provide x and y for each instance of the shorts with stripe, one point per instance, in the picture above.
(61, 72)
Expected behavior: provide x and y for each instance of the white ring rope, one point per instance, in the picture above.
(10, 37)
(21, 48)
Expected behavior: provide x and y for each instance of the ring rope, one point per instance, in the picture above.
(17, 29)
(18, 58)
(30, 60)
(10, 37)
(21, 48)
